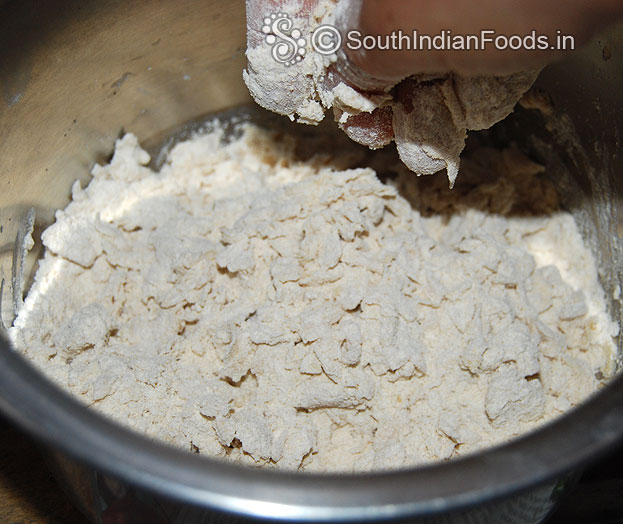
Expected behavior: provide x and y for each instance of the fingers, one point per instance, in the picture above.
(374, 130)
(428, 120)
(277, 75)
(429, 127)
(426, 115)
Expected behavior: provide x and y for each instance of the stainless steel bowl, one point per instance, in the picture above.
(75, 74)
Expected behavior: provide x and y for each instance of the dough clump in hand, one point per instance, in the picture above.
(427, 116)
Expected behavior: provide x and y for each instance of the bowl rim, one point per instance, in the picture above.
(61, 422)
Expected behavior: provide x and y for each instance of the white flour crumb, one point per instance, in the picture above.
(428, 120)
(248, 305)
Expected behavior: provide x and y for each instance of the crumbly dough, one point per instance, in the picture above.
(428, 119)
(242, 303)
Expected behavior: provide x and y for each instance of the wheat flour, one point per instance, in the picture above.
(242, 303)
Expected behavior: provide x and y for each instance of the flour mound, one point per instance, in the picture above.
(244, 304)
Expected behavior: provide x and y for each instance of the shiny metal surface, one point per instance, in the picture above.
(73, 75)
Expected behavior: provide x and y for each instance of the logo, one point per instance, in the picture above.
(326, 40)
(288, 45)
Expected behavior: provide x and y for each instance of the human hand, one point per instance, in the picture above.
(423, 100)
